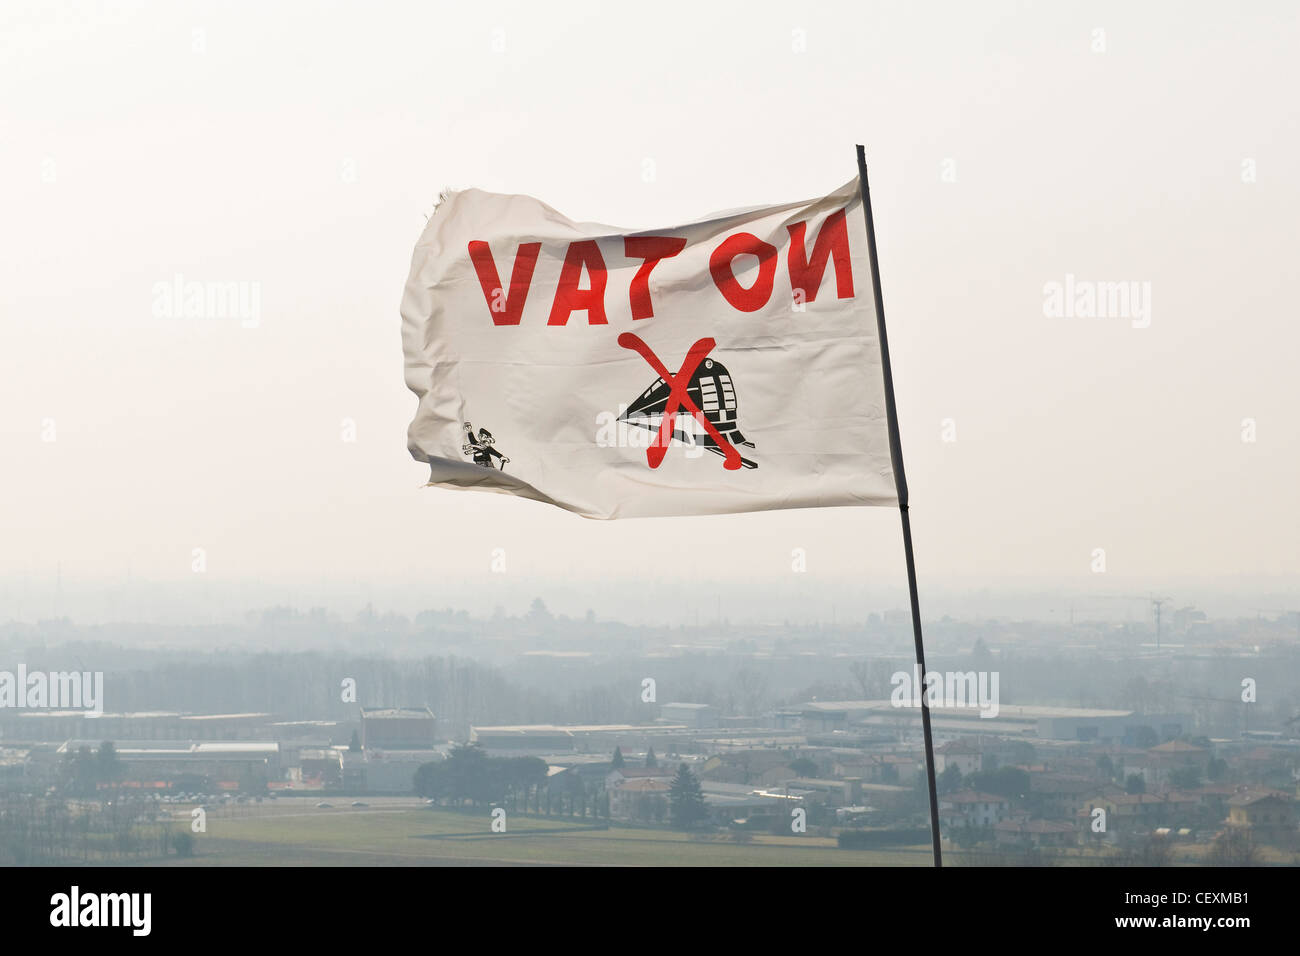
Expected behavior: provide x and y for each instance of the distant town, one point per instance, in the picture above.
(1172, 741)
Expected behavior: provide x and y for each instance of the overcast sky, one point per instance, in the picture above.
(298, 147)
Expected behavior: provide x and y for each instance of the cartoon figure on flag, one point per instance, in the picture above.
(481, 448)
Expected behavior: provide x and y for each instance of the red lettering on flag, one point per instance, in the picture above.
(653, 249)
(756, 296)
(568, 297)
(506, 308)
(832, 244)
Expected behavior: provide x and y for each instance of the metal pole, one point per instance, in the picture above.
(896, 459)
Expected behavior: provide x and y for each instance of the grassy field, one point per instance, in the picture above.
(422, 837)
(401, 832)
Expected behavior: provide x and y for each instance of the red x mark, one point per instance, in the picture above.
(678, 397)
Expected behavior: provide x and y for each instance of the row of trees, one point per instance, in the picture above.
(39, 830)
(1013, 783)
(82, 773)
(1234, 846)
(469, 776)
(86, 817)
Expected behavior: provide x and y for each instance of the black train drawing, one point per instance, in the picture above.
(712, 391)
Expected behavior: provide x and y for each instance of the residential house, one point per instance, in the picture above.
(642, 799)
(1057, 795)
(1024, 832)
(962, 754)
(1144, 812)
(971, 808)
(1269, 815)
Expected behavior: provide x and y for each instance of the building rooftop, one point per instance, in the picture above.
(526, 729)
(817, 783)
(1253, 797)
(1061, 783)
(138, 715)
(972, 796)
(635, 772)
(423, 755)
(955, 747)
(248, 716)
(1023, 712)
(396, 713)
(1135, 799)
(1034, 826)
(1176, 747)
(179, 748)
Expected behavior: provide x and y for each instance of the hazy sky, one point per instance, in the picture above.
(298, 147)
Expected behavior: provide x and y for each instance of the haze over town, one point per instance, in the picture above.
(298, 654)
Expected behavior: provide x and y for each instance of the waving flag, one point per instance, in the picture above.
(735, 363)
(729, 364)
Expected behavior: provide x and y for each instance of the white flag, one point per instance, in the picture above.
(729, 364)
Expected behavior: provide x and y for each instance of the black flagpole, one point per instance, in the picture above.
(896, 458)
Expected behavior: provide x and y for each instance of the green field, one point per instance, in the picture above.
(421, 837)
